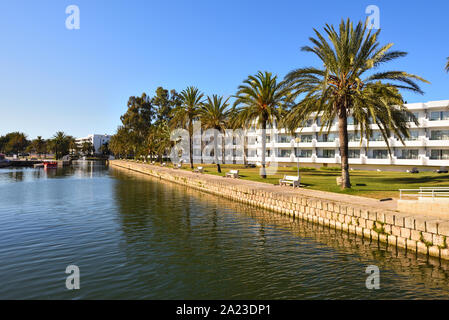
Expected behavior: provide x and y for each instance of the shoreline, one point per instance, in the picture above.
(364, 217)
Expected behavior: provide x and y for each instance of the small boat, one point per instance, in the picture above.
(3, 161)
(50, 165)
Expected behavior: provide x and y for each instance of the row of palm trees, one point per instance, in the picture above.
(347, 85)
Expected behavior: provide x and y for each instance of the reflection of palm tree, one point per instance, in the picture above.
(342, 88)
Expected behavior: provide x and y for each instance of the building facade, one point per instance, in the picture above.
(97, 140)
(427, 146)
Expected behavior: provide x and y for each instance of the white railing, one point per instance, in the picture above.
(425, 192)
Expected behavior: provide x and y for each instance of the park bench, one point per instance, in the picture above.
(442, 170)
(290, 180)
(232, 174)
(198, 170)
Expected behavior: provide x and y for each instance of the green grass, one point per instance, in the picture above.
(371, 184)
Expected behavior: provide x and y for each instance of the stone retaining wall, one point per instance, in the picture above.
(413, 232)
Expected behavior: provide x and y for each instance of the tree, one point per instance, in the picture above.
(260, 98)
(119, 142)
(15, 142)
(104, 149)
(186, 113)
(87, 147)
(60, 144)
(137, 121)
(165, 102)
(214, 114)
(159, 142)
(39, 146)
(348, 86)
(447, 65)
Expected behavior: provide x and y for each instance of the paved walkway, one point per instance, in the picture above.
(350, 199)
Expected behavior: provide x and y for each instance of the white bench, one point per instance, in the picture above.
(232, 174)
(294, 181)
(199, 170)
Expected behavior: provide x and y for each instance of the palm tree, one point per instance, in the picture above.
(261, 98)
(348, 86)
(214, 114)
(447, 65)
(60, 144)
(186, 113)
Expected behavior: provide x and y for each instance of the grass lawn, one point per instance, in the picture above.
(371, 184)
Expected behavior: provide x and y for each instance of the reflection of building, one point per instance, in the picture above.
(427, 146)
(97, 140)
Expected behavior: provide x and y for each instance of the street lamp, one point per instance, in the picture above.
(293, 154)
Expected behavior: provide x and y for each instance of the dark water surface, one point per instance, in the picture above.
(135, 237)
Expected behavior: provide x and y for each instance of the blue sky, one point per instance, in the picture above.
(79, 81)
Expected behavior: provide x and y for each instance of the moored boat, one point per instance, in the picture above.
(50, 165)
(3, 161)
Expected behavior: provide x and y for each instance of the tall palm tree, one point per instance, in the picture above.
(214, 114)
(260, 98)
(348, 85)
(186, 113)
(447, 65)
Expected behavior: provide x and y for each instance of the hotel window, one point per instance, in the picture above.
(352, 137)
(409, 117)
(326, 137)
(308, 123)
(414, 135)
(380, 154)
(353, 153)
(439, 135)
(301, 153)
(352, 121)
(439, 154)
(439, 115)
(328, 153)
(409, 154)
(306, 138)
(251, 153)
(283, 153)
(376, 136)
(283, 138)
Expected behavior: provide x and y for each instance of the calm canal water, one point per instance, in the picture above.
(135, 237)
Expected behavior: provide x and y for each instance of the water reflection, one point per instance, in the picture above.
(234, 250)
(136, 237)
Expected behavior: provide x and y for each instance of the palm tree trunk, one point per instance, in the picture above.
(216, 150)
(201, 145)
(245, 148)
(191, 143)
(343, 135)
(263, 173)
(223, 151)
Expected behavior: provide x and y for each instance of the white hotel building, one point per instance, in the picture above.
(427, 146)
(97, 140)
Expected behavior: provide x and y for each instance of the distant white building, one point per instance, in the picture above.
(97, 140)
